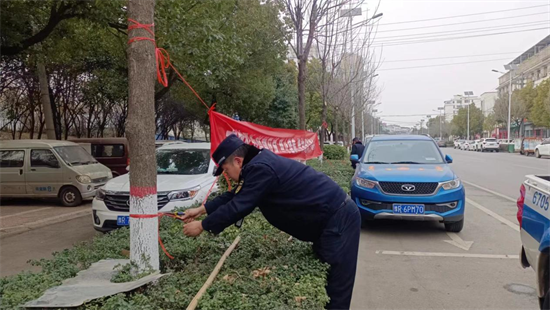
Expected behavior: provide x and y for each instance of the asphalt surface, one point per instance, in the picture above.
(411, 265)
(34, 229)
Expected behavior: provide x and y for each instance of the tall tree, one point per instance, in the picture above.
(460, 121)
(540, 112)
(141, 136)
(305, 16)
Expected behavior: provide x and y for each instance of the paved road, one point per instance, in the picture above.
(410, 265)
(33, 229)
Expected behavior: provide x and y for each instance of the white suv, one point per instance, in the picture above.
(489, 145)
(184, 177)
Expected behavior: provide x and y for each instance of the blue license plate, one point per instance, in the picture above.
(408, 209)
(123, 220)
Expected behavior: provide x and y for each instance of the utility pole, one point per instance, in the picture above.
(141, 135)
(440, 122)
(511, 72)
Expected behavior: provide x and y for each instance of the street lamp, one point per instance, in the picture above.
(440, 116)
(510, 68)
(468, 94)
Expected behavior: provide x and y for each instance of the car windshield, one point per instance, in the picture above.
(75, 155)
(490, 140)
(178, 161)
(402, 152)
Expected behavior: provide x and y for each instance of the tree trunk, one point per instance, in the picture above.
(45, 99)
(302, 66)
(141, 137)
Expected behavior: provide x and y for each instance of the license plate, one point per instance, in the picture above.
(408, 209)
(123, 220)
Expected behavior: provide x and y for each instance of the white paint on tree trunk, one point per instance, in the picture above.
(144, 246)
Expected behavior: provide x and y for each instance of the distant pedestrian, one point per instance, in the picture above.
(356, 149)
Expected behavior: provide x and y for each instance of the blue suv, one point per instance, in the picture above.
(408, 178)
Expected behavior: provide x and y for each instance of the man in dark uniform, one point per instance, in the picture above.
(293, 197)
(357, 149)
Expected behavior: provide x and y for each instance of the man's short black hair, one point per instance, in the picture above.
(355, 139)
(240, 152)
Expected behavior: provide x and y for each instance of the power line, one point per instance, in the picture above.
(470, 30)
(461, 56)
(465, 15)
(386, 44)
(462, 23)
(441, 65)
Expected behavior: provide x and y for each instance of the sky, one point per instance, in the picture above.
(422, 90)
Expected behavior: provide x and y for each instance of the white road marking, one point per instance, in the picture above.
(490, 191)
(436, 254)
(493, 214)
(459, 242)
(24, 212)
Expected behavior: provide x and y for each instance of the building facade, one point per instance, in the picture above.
(533, 65)
(459, 101)
(488, 102)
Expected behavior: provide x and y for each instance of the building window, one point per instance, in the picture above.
(466, 101)
(459, 101)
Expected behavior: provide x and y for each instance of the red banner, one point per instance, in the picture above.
(290, 143)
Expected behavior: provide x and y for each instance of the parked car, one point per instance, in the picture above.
(534, 221)
(111, 152)
(408, 178)
(184, 177)
(441, 143)
(50, 169)
(472, 145)
(476, 146)
(543, 149)
(489, 145)
(457, 143)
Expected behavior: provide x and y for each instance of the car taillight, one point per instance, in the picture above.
(520, 202)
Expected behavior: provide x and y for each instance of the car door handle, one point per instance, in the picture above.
(33, 169)
(20, 171)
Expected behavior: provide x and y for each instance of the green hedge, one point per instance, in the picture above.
(266, 270)
(334, 152)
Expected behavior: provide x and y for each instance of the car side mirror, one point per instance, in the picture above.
(448, 159)
(354, 157)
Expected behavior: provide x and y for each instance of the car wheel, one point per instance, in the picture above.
(537, 154)
(455, 226)
(70, 197)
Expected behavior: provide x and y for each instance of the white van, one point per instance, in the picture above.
(49, 168)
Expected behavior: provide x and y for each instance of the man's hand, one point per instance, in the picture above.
(191, 214)
(193, 229)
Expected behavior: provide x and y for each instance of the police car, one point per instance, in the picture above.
(534, 219)
(408, 178)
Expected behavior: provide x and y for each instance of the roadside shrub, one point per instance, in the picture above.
(334, 152)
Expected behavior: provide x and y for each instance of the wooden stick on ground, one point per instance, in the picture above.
(213, 275)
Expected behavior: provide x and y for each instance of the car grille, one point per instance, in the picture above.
(419, 188)
(121, 202)
(439, 208)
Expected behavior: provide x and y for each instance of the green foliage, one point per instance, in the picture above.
(334, 152)
(460, 121)
(540, 112)
(339, 171)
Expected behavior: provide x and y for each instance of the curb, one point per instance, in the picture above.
(7, 232)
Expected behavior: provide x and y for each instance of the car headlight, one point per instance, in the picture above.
(109, 175)
(185, 194)
(100, 194)
(451, 184)
(84, 179)
(365, 183)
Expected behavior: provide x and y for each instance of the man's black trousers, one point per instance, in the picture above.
(338, 246)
